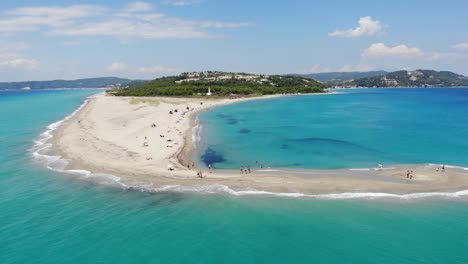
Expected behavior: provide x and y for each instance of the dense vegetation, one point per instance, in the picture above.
(233, 86)
(418, 78)
(80, 83)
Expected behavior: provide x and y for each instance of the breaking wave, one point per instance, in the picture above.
(42, 153)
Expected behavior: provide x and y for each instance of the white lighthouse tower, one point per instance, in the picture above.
(209, 91)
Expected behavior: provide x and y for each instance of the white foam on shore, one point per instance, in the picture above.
(41, 149)
(223, 189)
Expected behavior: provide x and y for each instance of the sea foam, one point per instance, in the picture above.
(41, 152)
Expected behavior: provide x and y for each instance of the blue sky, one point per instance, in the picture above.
(146, 39)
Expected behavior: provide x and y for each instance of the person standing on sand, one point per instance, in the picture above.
(443, 168)
(242, 170)
(209, 168)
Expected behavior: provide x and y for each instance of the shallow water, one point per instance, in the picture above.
(50, 217)
(356, 128)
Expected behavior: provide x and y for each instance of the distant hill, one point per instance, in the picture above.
(417, 78)
(80, 83)
(340, 76)
(217, 83)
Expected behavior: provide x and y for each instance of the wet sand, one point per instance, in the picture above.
(115, 135)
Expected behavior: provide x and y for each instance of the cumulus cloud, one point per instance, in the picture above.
(367, 27)
(139, 6)
(95, 20)
(116, 67)
(158, 69)
(379, 50)
(461, 46)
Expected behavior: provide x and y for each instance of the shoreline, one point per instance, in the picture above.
(157, 176)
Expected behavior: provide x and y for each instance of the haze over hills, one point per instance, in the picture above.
(340, 76)
(417, 78)
(101, 82)
(403, 78)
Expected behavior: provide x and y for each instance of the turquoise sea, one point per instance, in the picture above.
(354, 129)
(51, 217)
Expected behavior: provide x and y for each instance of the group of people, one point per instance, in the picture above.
(200, 175)
(409, 175)
(191, 165)
(442, 168)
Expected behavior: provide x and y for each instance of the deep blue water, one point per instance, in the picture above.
(48, 217)
(358, 128)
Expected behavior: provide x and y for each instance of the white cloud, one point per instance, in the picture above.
(367, 27)
(379, 50)
(317, 68)
(128, 29)
(461, 46)
(117, 66)
(8, 62)
(94, 20)
(139, 7)
(181, 2)
(33, 18)
(157, 69)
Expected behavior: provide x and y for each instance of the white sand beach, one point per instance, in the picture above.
(140, 139)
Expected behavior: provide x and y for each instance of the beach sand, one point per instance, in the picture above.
(115, 135)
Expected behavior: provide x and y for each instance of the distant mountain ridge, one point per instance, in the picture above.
(100, 82)
(340, 76)
(417, 78)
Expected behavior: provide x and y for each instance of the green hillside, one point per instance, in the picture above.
(221, 84)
